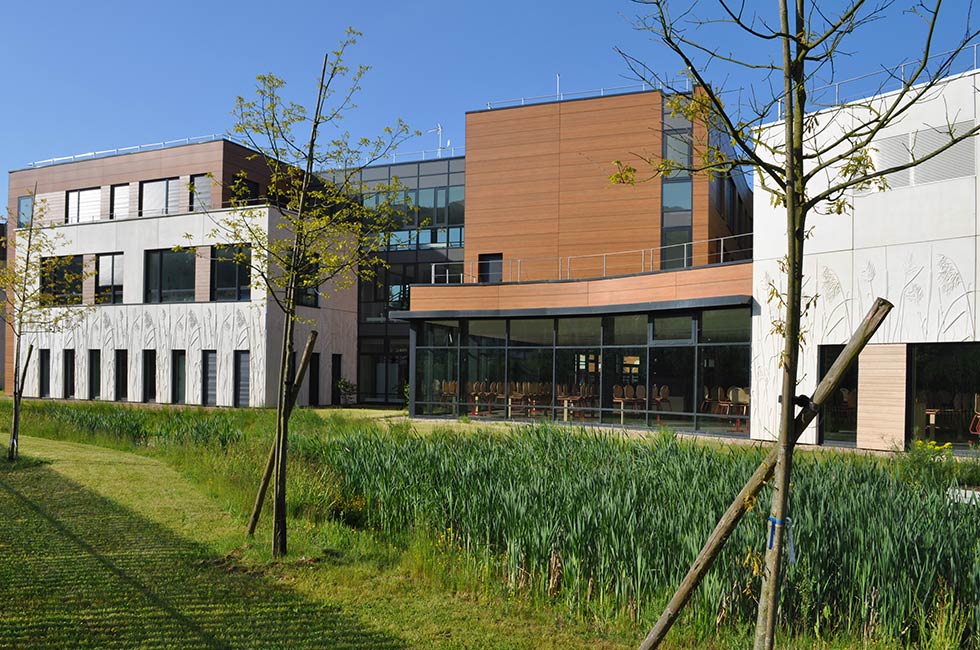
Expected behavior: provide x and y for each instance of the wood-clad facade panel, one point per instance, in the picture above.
(882, 374)
(716, 281)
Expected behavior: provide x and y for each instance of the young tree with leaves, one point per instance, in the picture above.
(773, 126)
(42, 293)
(320, 235)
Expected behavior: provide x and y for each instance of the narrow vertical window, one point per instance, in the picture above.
(314, 374)
(178, 376)
(200, 198)
(25, 210)
(149, 375)
(44, 370)
(94, 374)
(241, 378)
(68, 374)
(109, 279)
(209, 377)
(83, 205)
(121, 367)
(119, 202)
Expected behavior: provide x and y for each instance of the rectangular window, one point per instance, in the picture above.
(119, 202)
(209, 377)
(314, 374)
(44, 371)
(94, 374)
(25, 210)
(241, 378)
(178, 376)
(158, 198)
(200, 198)
(83, 205)
(149, 375)
(109, 279)
(61, 280)
(491, 267)
(231, 275)
(68, 374)
(169, 276)
(122, 375)
(308, 297)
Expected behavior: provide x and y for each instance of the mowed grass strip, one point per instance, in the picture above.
(80, 570)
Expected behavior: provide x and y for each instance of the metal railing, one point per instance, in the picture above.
(153, 146)
(720, 250)
(559, 96)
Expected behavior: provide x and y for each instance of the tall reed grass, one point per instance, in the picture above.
(600, 525)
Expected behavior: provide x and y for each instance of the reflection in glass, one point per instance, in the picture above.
(532, 331)
(726, 325)
(672, 328)
(626, 330)
(579, 331)
(439, 333)
(724, 379)
(487, 332)
(945, 389)
(530, 390)
(838, 417)
(672, 379)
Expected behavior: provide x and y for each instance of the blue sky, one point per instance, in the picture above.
(105, 74)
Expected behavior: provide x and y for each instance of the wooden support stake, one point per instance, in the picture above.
(742, 503)
(253, 521)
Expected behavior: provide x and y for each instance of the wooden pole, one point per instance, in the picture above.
(253, 521)
(825, 389)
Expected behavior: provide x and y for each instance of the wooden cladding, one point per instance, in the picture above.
(708, 282)
(882, 375)
(538, 188)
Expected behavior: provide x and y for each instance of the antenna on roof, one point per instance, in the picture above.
(558, 86)
(438, 130)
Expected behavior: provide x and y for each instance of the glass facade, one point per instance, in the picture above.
(433, 204)
(944, 392)
(677, 196)
(688, 371)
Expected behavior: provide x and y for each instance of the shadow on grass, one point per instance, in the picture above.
(78, 570)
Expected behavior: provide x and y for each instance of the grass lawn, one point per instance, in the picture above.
(103, 548)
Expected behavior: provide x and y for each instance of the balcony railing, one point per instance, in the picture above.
(721, 250)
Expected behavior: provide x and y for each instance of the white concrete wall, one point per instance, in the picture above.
(915, 244)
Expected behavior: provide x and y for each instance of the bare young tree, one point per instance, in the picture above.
(324, 227)
(808, 149)
(42, 293)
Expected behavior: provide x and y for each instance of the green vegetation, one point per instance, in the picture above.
(553, 524)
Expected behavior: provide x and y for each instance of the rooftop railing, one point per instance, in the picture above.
(709, 252)
(153, 146)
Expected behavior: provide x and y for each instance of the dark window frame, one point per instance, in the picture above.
(62, 284)
(155, 295)
(110, 294)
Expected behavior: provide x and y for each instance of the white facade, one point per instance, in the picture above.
(224, 327)
(915, 244)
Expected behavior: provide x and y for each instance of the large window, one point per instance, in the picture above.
(169, 276)
(684, 370)
(109, 279)
(83, 205)
(61, 280)
(231, 273)
(158, 198)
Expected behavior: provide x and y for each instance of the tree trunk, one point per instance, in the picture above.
(795, 99)
(274, 454)
(13, 452)
(282, 436)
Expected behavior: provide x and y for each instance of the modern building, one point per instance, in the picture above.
(171, 313)
(917, 245)
(581, 300)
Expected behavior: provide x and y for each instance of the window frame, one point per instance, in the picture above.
(242, 288)
(113, 291)
(159, 254)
